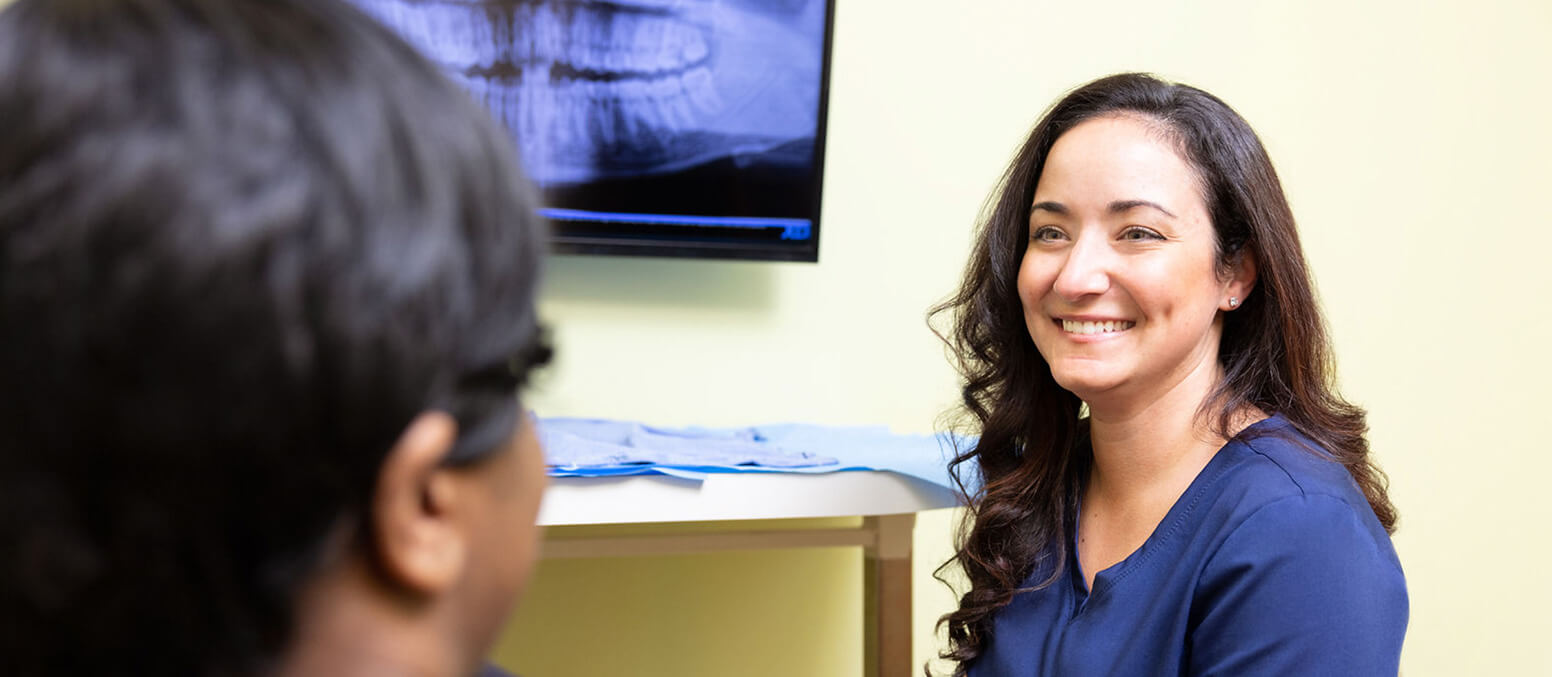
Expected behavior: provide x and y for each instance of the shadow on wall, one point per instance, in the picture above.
(744, 286)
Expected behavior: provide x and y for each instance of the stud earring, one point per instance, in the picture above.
(1233, 302)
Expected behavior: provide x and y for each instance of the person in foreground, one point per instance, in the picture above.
(266, 300)
(1168, 482)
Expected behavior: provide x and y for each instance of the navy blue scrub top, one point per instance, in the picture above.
(1270, 563)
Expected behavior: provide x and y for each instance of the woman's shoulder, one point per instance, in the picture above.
(1271, 460)
(1287, 515)
(1297, 575)
(1274, 494)
(1273, 474)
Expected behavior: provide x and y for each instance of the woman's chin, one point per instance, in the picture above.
(1087, 388)
(1087, 385)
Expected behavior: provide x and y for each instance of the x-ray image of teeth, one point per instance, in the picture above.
(608, 89)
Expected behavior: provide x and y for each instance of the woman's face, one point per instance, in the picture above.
(1118, 281)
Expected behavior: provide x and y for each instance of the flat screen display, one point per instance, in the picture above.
(651, 127)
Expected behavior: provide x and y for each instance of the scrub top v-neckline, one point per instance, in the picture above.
(1107, 578)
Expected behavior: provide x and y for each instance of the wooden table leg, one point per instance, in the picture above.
(887, 605)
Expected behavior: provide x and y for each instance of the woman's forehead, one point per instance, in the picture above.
(1117, 159)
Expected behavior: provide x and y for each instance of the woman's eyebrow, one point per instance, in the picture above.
(1115, 207)
(1123, 205)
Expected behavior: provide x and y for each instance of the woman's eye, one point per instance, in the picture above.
(1046, 234)
(1137, 234)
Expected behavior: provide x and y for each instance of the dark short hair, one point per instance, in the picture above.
(243, 243)
(1032, 438)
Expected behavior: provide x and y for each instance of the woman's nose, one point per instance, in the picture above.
(1085, 271)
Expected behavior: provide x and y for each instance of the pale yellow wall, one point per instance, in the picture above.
(1413, 139)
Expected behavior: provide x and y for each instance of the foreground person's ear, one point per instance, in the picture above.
(416, 536)
(1241, 279)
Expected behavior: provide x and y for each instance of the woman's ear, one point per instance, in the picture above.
(1239, 282)
(416, 535)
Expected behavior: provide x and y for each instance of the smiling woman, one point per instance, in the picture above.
(1168, 482)
(1120, 293)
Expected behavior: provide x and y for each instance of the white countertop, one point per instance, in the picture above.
(736, 496)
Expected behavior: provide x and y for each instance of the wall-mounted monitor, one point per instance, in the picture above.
(651, 127)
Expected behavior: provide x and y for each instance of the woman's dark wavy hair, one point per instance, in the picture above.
(243, 243)
(1032, 446)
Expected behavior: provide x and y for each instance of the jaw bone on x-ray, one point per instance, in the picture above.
(595, 90)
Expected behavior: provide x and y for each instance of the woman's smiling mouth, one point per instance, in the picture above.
(1100, 327)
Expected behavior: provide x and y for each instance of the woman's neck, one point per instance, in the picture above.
(1152, 448)
(350, 624)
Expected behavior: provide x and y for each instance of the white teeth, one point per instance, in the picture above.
(694, 48)
(595, 88)
(1107, 327)
(698, 85)
(670, 97)
(609, 123)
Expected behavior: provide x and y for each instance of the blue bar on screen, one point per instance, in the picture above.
(792, 228)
